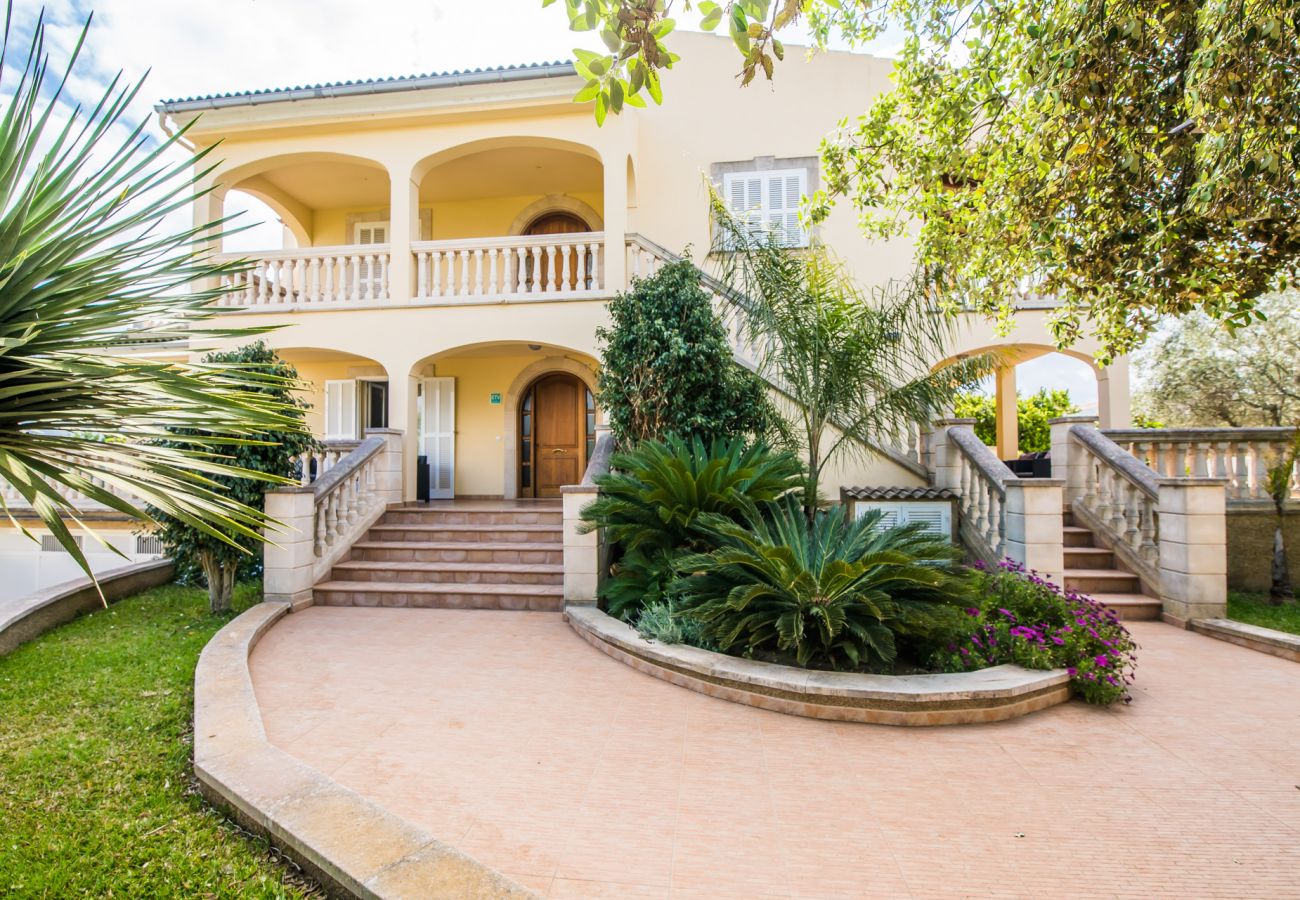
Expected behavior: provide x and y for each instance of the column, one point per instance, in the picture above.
(1193, 549)
(403, 397)
(1113, 397)
(946, 473)
(614, 267)
(1007, 423)
(404, 227)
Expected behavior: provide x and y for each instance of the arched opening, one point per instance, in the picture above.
(556, 433)
(346, 394)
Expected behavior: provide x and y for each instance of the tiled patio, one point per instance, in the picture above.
(508, 736)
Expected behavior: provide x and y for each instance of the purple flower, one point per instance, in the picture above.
(1101, 659)
(972, 611)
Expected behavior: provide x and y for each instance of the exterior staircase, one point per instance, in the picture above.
(501, 554)
(1093, 570)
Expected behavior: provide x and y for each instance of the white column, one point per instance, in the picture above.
(402, 417)
(1193, 549)
(1114, 402)
(404, 227)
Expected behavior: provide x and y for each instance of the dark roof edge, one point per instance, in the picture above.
(501, 74)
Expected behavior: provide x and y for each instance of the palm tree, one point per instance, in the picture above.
(855, 366)
(88, 264)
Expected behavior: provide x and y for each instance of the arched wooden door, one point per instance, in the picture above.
(560, 223)
(556, 425)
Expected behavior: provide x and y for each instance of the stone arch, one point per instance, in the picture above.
(553, 203)
(426, 165)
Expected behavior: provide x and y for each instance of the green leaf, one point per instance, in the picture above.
(602, 108)
(739, 29)
(588, 92)
(711, 19)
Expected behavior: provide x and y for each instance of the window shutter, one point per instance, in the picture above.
(785, 191)
(439, 435)
(368, 234)
(744, 191)
(341, 410)
(936, 517)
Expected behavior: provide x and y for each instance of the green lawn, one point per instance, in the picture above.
(96, 792)
(1254, 609)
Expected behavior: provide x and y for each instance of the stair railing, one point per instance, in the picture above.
(1118, 497)
(981, 480)
(328, 512)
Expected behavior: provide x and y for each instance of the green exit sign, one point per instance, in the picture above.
(494, 399)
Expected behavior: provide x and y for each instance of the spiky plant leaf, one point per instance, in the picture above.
(87, 266)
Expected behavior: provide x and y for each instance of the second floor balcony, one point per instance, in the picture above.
(486, 224)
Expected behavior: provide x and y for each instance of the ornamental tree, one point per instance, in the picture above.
(219, 560)
(1131, 158)
(667, 369)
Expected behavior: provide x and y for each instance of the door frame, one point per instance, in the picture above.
(585, 372)
(530, 491)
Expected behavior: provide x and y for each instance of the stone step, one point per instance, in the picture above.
(495, 534)
(1089, 558)
(405, 572)
(437, 595)
(548, 553)
(458, 516)
(1102, 581)
(1074, 536)
(1132, 607)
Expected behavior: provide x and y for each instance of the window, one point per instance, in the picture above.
(371, 233)
(148, 545)
(768, 201)
(374, 404)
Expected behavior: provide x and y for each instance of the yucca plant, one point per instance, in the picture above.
(832, 592)
(653, 496)
(88, 264)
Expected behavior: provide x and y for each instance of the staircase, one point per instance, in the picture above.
(1093, 570)
(500, 554)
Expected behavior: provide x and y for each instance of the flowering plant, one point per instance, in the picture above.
(1027, 620)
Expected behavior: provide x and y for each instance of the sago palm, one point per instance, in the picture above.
(834, 592)
(87, 264)
(649, 504)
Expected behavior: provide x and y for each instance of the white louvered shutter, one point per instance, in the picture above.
(744, 192)
(936, 517)
(785, 191)
(438, 436)
(341, 410)
(889, 517)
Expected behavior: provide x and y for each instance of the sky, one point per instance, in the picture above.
(196, 47)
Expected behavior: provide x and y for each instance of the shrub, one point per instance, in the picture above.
(667, 367)
(1032, 415)
(216, 557)
(657, 622)
(649, 504)
(830, 593)
(1023, 619)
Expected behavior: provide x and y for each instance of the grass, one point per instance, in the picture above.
(96, 791)
(1254, 609)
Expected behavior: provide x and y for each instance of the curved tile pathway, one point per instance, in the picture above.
(506, 735)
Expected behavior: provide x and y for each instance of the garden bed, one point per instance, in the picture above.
(987, 695)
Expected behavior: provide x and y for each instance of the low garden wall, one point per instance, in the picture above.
(1265, 640)
(986, 695)
(349, 844)
(29, 617)
(1250, 545)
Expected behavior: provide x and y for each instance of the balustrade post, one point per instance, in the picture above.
(1193, 557)
(1034, 508)
(947, 466)
(1069, 461)
(290, 554)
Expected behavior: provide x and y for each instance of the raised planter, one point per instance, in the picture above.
(1255, 637)
(987, 695)
(29, 617)
(352, 846)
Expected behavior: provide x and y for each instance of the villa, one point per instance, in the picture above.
(449, 243)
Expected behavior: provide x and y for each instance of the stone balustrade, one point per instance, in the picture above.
(308, 278)
(1240, 456)
(502, 269)
(318, 521)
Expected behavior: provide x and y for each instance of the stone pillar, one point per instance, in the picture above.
(1034, 523)
(1113, 400)
(1066, 464)
(1193, 549)
(944, 453)
(289, 556)
(388, 475)
(1007, 422)
(403, 396)
(582, 552)
(404, 227)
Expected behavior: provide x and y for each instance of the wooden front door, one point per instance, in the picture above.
(559, 430)
(559, 223)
